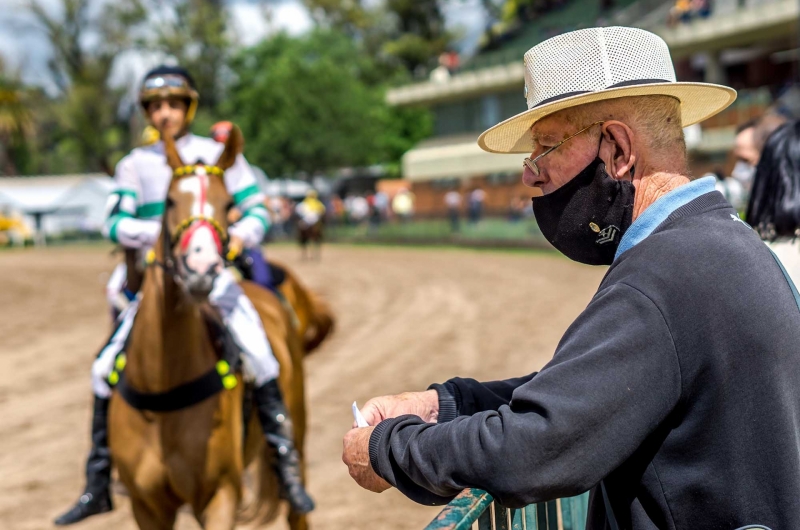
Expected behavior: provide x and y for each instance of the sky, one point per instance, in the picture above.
(24, 48)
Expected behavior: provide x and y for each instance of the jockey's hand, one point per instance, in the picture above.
(422, 404)
(235, 247)
(355, 454)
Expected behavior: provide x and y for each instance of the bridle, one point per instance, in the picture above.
(185, 228)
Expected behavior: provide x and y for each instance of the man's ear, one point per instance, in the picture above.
(234, 145)
(619, 155)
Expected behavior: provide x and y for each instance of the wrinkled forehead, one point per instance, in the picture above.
(553, 128)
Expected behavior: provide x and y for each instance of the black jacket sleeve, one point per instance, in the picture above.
(614, 378)
(469, 396)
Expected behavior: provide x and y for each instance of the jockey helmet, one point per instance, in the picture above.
(170, 81)
(221, 130)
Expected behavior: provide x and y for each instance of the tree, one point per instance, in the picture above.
(304, 105)
(194, 33)
(16, 125)
(407, 34)
(85, 46)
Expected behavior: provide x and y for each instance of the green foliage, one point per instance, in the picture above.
(86, 110)
(304, 105)
(407, 34)
(194, 33)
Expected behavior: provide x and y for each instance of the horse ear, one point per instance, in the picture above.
(173, 158)
(234, 145)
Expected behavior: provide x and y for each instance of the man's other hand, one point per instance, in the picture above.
(422, 404)
(355, 454)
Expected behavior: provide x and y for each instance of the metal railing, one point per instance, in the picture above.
(475, 506)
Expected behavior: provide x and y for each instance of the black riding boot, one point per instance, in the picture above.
(279, 434)
(96, 498)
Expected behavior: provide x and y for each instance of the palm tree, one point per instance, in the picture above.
(16, 123)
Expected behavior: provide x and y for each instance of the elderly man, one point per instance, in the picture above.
(674, 395)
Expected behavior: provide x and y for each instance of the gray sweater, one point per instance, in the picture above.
(677, 386)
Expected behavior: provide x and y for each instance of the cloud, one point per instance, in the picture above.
(254, 21)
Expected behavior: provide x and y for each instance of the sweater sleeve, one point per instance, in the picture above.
(465, 397)
(122, 223)
(614, 378)
(249, 199)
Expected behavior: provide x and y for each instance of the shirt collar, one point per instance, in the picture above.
(657, 213)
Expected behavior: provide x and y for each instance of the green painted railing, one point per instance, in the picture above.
(476, 506)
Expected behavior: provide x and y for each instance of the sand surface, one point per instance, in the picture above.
(406, 318)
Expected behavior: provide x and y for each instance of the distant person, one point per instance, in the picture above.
(750, 139)
(452, 199)
(476, 200)
(403, 205)
(774, 207)
(516, 209)
(358, 209)
(730, 188)
(382, 205)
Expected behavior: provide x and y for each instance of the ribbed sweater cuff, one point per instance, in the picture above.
(374, 444)
(448, 406)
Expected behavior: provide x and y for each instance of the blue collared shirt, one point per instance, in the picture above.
(657, 212)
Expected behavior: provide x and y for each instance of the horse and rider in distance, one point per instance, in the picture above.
(202, 376)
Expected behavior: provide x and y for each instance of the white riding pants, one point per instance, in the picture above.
(237, 313)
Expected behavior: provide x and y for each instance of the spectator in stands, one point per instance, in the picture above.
(774, 207)
(452, 199)
(476, 200)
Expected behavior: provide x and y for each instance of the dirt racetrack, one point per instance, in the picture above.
(406, 318)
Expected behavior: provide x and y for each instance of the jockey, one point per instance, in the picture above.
(169, 99)
(311, 209)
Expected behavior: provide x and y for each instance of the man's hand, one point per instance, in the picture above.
(355, 454)
(422, 404)
(235, 246)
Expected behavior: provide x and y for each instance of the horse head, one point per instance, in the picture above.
(195, 229)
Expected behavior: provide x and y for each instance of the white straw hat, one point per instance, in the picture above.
(597, 64)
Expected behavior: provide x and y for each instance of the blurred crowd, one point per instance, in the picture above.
(684, 11)
(371, 208)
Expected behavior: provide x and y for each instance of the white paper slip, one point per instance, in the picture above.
(360, 421)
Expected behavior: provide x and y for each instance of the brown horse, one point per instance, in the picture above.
(310, 233)
(197, 455)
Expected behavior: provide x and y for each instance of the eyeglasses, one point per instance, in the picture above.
(531, 164)
(168, 81)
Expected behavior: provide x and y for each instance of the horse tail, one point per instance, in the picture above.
(322, 320)
(311, 309)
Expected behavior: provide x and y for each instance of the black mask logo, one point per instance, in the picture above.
(586, 218)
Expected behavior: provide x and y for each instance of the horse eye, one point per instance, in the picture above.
(229, 206)
(170, 203)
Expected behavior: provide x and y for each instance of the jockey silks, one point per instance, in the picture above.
(586, 217)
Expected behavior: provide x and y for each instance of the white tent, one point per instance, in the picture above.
(58, 203)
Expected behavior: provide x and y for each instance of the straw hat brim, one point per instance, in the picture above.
(699, 101)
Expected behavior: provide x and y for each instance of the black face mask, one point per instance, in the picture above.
(586, 217)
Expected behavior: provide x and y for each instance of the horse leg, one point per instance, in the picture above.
(220, 513)
(155, 516)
